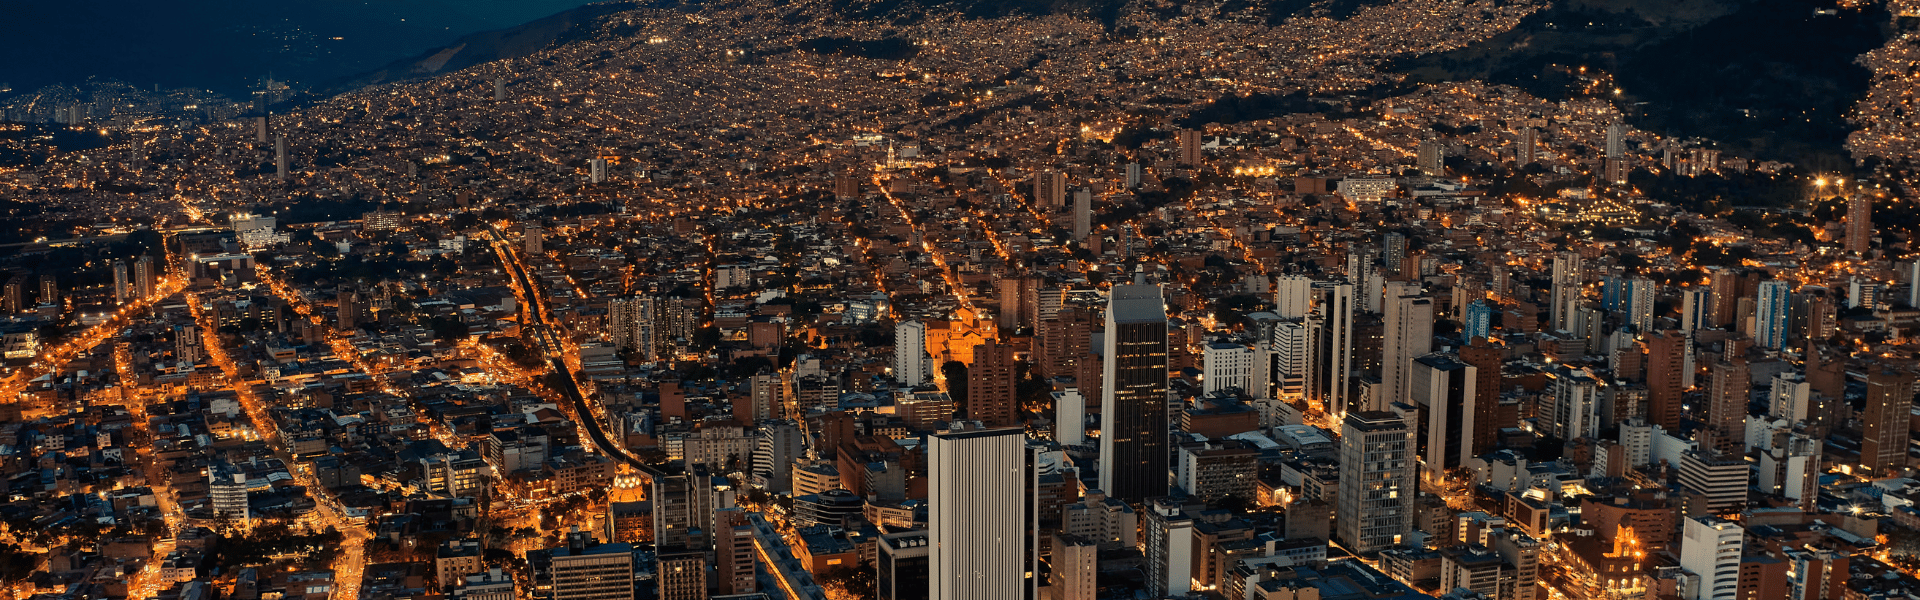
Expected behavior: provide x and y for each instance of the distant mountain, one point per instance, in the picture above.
(228, 45)
(489, 46)
(1767, 78)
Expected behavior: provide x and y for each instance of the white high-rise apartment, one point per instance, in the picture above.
(910, 362)
(1639, 301)
(1226, 365)
(1293, 296)
(1567, 280)
(1408, 335)
(976, 482)
(1710, 548)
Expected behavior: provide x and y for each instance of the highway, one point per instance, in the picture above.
(556, 352)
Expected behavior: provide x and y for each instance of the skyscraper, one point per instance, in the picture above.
(534, 241)
(1567, 280)
(122, 282)
(1575, 404)
(1408, 334)
(1289, 351)
(1637, 300)
(1526, 146)
(1477, 323)
(1190, 151)
(910, 359)
(1770, 316)
(1883, 430)
(1333, 348)
(1443, 388)
(1729, 390)
(1376, 481)
(259, 130)
(1082, 214)
(146, 275)
(597, 170)
(1133, 415)
(976, 481)
(1432, 158)
(1913, 283)
(1049, 188)
(1486, 360)
(1133, 175)
(1665, 360)
(499, 89)
(1711, 549)
(280, 156)
(1859, 223)
(1617, 140)
(990, 386)
(1696, 309)
(1292, 296)
(1393, 251)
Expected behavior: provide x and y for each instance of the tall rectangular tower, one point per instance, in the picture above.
(1376, 481)
(976, 481)
(1133, 415)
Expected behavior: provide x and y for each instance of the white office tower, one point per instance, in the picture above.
(1170, 549)
(1639, 301)
(1226, 365)
(1790, 397)
(976, 484)
(1913, 283)
(1567, 281)
(1576, 404)
(1290, 359)
(911, 366)
(1070, 417)
(1333, 347)
(1710, 549)
(597, 170)
(1362, 271)
(1292, 296)
(1696, 309)
(1408, 335)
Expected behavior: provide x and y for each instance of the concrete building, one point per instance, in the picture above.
(976, 479)
(1710, 549)
(1133, 415)
(1376, 481)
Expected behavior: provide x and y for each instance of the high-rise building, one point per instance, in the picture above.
(990, 386)
(146, 276)
(1443, 387)
(1617, 140)
(1913, 283)
(1432, 159)
(499, 89)
(1292, 296)
(1191, 153)
(1049, 188)
(227, 492)
(1526, 146)
(1486, 360)
(1333, 347)
(1169, 549)
(1289, 354)
(1076, 567)
(1014, 309)
(1770, 317)
(1082, 214)
(1710, 548)
(911, 364)
(1477, 323)
(903, 566)
(1666, 359)
(1884, 423)
(532, 237)
(597, 170)
(1134, 175)
(122, 282)
(976, 480)
(1376, 481)
(259, 130)
(1711, 483)
(630, 325)
(733, 552)
(1728, 392)
(49, 289)
(1393, 251)
(1696, 309)
(1567, 282)
(1227, 365)
(1859, 223)
(1408, 334)
(1637, 299)
(280, 156)
(1575, 404)
(585, 569)
(1133, 407)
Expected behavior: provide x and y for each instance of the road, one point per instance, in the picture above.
(556, 352)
